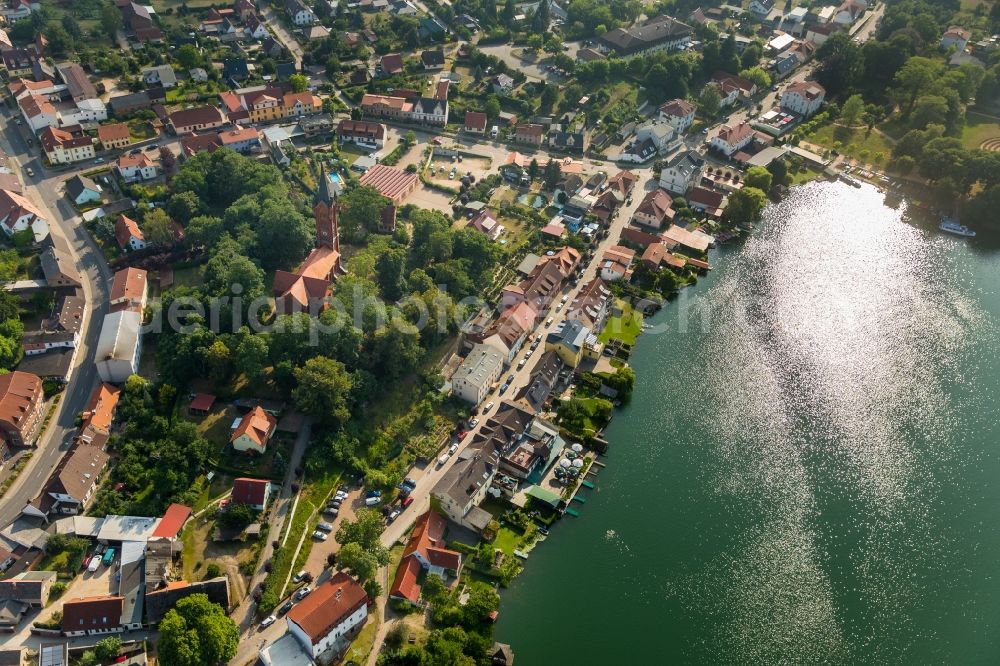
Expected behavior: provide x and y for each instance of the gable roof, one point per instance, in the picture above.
(78, 183)
(92, 613)
(257, 425)
(128, 286)
(475, 120)
(17, 392)
(427, 540)
(249, 491)
(391, 63)
(678, 108)
(100, 410)
(126, 229)
(172, 521)
(328, 606)
(13, 206)
(113, 132)
(404, 585)
(655, 204)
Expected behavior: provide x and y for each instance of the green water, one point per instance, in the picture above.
(809, 469)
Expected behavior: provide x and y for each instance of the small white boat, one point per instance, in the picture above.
(951, 226)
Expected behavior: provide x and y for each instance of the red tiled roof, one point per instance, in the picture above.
(172, 521)
(328, 606)
(249, 491)
(392, 63)
(475, 120)
(389, 181)
(92, 613)
(257, 425)
(125, 229)
(427, 534)
(405, 585)
(113, 132)
(680, 108)
(202, 402)
(101, 408)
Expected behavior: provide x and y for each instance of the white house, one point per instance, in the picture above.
(119, 346)
(18, 214)
(761, 7)
(329, 616)
(38, 112)
(679, 113)
(430, 111)
(134, 168)
(478, 373)
(804, 97)
(731, 139)
(849, 12)
(299, 12)
(681, 172)
(90, 110)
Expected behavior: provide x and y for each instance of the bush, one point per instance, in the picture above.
(212, 571)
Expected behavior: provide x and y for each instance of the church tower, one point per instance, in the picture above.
(325, 211)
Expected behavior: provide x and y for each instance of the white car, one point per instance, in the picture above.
(301, 594)
(299, 577)
(488, 406)
(321, 536)
(452, 449)
(474, 422)
(268, 621)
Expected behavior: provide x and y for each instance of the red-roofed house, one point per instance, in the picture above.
(18, 214)
(134, 168)
(202, 404)
(679, 113)
(654, 209)
(93, 615)
(252, 492)
(427, 549)
(390, 64)
(485, 222)
(254, 431)
(330, 615)
(128, 234)
(116, 135)
(732, 138)
(529, 133)
(475, 122)
(61, 147)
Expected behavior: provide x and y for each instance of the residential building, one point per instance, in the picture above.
(657, 255)
(804, 97)
(957, 37)
(30, 588)
(264, 105)
(73, 482)
(591, 305)
(486, 223)
(732, 88)
(849, 12)
(299, 12)
(61, 147)
(93, 615)
(730, 139)
(301, 104)
(432, 59)
(478, 373)
(510, 330)
(119, 346)
(681, 171)
(308, 285)
(197, 118)
(77, 81)
(139, 22)
(543, 282)
(503, 84)
(19, 61)
(38, 112)
(544, 376)
(255, 28)
(255, 493)
(616, 263)
(20, 88)
(425, 551)
(82, 190)
(384, 106)
(162, 75)
(137, 167)
(129, 290)
(573, 342)
(695, 241)
(429, 111)
(99, 413)
(329, 616)
(761, 7)
(707, 201)
(654, 210)
(60, 273)
(243, 140)
(567, 142)
(679, 113)
(661, 33)
(529, 133)
(128, 234)
(21, 404)
(115, 135)
(17, 214)
(390, 65)
(364, 133)
(253, 431)
(819, 33)
(475, 122)
(463, 487)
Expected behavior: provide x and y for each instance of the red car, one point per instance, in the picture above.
(407, 502)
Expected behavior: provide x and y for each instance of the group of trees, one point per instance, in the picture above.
(361, 550)
(158, 458)
(197, 632)
(11, 330)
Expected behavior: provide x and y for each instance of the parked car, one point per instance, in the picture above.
(548, 322)
(393, 515)
(409, 482)
(331, 511)
(299, 577)
(99, 160)
(326, 527)
(301, 594)
(373, 493)
(452, 449)
(268, 621)
(474, 422)
(503, 389)
(510, 378)
(287, 606)
(442, 459)
(520, 364)
(407, 502)
(322, 536)
(489, 406)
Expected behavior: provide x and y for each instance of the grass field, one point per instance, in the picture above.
(625, 328)
(852, 142)
(979, 128)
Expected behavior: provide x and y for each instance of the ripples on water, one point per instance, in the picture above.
(829, 345)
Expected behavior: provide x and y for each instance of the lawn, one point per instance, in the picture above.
(362, 645)
(979, 128)
(805, 175)
(507, 540)
(852, 142)
(626, 328)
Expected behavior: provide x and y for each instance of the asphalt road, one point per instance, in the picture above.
(44, 189)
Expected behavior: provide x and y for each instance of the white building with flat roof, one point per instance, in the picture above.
(478, 372)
